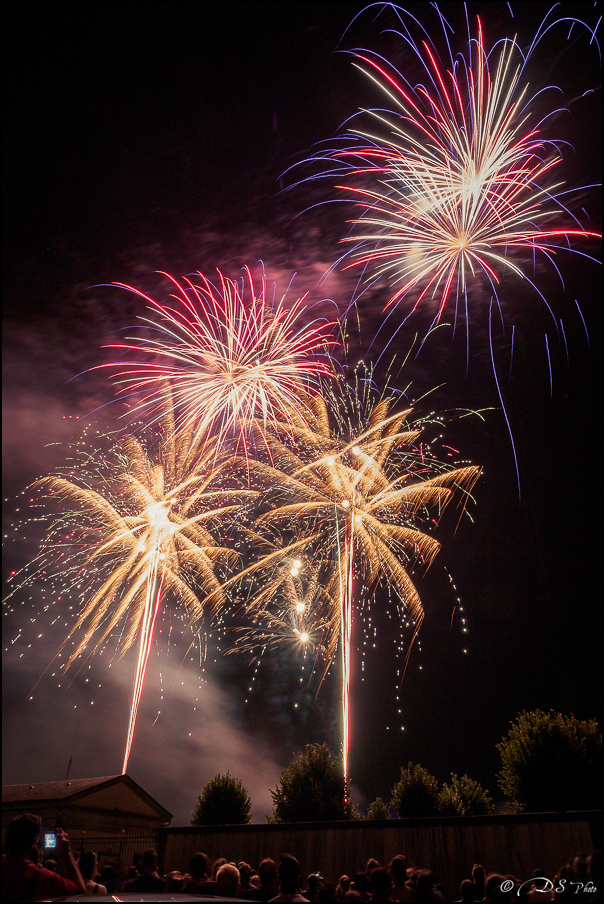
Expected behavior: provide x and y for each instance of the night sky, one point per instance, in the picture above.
(141, 137)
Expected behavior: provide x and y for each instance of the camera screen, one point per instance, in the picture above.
(50, 840)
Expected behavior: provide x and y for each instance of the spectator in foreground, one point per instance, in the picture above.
(89, 867)
(537, 890)
(342, 887)
(400, 890)
(175, 881)
(353, 896)
(425, 889)
(380, 883)
(494, 892)
(149, 881)
(466, 890)
(580, 868)
(594, 877)
(327, 894)
(313, 884)
(478, 879)
(269, 882)
(199, 883)
(227, 881)
(289, 878)
(23, 880)
(564, 889)
(198, 875)
(216, 866)
(245, 878)
(110, 879)
(360, 885)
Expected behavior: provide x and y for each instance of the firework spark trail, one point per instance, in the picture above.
(355, 491)
(227, 360)
(456, 181)
(141, 516)
(346, 630)
(152, 606)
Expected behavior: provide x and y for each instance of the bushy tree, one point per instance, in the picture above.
(552, 762)
(378, 810)
(464, 797)
(416, 793)
(312, 788)
(223, 801)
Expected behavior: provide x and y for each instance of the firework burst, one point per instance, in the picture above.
(350, 481)
(136, 524)
(226, 360)
(457, 182)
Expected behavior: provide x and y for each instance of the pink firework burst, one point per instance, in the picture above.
(225, 360)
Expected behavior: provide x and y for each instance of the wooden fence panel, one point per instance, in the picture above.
(449, 847)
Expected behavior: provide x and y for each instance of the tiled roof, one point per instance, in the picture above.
(75, 791)
(53, 790)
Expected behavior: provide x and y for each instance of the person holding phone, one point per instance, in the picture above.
(22, 879)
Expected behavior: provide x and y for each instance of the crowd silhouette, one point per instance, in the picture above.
(26, 878)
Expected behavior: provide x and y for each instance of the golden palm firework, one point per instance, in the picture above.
(353, 485)
(136, 524)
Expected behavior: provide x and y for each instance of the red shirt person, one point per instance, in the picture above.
(22, 879)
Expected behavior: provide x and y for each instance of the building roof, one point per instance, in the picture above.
(52, 790)
(72, 789)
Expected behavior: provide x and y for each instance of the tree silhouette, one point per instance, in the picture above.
(552, 762)
(223, 801)
(312, 788)
(464, 797)
(416, 793)
(378, 809)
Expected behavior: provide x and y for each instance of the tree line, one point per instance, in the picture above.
(550, 762)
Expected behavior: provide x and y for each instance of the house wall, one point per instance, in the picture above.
(117, 796)
(98, 820)
(116, 807)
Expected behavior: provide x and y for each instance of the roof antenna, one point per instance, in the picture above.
(72, 749)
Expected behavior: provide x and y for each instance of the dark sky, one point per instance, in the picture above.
(152, 136)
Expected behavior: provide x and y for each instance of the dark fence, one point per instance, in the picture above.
(449, 847)
(113, 845)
